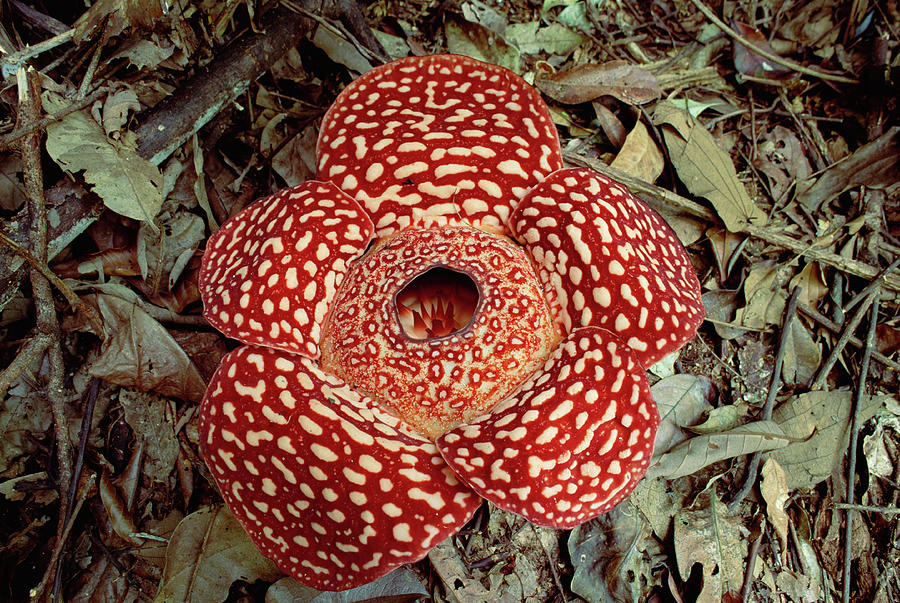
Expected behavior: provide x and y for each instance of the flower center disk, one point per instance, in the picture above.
(438, 325)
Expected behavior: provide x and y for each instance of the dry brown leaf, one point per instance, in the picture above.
(704, 450)
(724, 244)
(639, 156)
(623, 80)
(681, 400)
(814, 287)
(819, 424)
(705, 169)
(146, 414)
(775, 492)
(875, 165)
(613, 556)
(128, 184)
(802, 355)
(711, 537)
(765, 295)
(140, 353)
(610, 124)
(209, 551)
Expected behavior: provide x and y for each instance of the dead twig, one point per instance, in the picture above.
(774, 385)
(47, 324)
(71, 297)
(854, 437)
(173, 121)
(854, 341)
(8, 140)
(841, 343)
(70, 504)
(869, 508)
(768, 55)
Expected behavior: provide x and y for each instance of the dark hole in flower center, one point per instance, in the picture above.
(437, 303)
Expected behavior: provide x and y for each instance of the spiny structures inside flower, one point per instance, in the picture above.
(382, 388)
(437, 303)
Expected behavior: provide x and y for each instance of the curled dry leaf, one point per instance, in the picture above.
(140, 353)
(627, 82)
(710, 536)
(116, 109)
(639, 155)
(750, 63)
(705, 168)
(802, 355)
(207, 552)
(775, 492)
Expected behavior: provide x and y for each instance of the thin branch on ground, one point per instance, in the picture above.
(854, 438)
(47, 324)
(868, 508)
(768, 55)
(7, 141)
(854, 341)
(819, 381)
(774, 385)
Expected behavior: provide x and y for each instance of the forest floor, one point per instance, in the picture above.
(767, 135)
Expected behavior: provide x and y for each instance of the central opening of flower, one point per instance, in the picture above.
(437, 303)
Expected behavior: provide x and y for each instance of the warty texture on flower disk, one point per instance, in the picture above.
(447, 314)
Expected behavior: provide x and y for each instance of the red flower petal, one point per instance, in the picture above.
(334, 490)
(608, 260)
(434, 140)
(570, 443)
(269, 273)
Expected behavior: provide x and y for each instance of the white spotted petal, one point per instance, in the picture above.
(570, 443)
(270, 273)
(333, 489)
(608, 260)
(429, 141)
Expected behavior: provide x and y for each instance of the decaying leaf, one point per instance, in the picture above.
(748, 62)
(613, 556)
(765, 295)
(680, 400)
(874, 165)
(479, 42)
(623, 80)
(818, 422)
(814, 287)
(774, 490)
(639, 156)
(146, 414)
(701, 451)
(128, 184)
(721, 418)
(705, 169)
(208, 551)
(533, 38)
(709, 535)
(802, 355)
(721, 306)
(140, 353)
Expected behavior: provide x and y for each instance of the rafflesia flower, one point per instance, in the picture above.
(446, 315)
